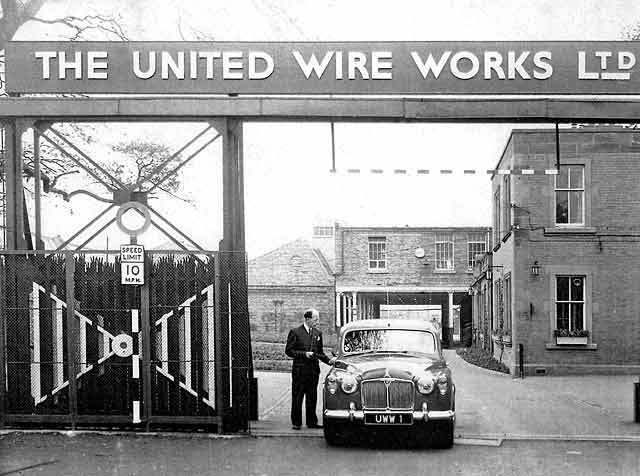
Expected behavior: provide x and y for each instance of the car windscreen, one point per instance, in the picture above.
(389, 340)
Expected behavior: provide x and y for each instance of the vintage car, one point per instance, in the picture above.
(390, 374)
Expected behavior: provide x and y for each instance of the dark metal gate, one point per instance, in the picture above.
(79, 348)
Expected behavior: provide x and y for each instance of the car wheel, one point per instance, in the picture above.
(332, 433)
(443, 434)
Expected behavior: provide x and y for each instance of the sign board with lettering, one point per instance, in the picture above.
(132, 264)
(407, 68)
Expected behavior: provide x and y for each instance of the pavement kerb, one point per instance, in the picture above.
(460, 439)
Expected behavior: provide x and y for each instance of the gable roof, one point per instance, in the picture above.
(293, 264)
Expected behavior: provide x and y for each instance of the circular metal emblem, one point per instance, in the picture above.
(140, 208)
(122, 345)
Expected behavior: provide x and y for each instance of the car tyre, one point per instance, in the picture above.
(332, 433)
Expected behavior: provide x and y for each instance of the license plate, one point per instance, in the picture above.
(388, 418)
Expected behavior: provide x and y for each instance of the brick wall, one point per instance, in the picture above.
(607, 251)
(266, 325)
(403, 268)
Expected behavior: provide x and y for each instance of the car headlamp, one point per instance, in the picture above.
(340, 378)
(349, 383)
(426, 383)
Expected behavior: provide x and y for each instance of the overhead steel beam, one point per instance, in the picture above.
(357, 109)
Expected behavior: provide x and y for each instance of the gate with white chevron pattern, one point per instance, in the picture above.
(82, 349)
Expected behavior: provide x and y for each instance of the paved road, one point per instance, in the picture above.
(491, 404)
(37, 454)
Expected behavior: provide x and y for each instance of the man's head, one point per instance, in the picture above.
(311, 317)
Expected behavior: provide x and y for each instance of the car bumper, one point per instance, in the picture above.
(358, 415)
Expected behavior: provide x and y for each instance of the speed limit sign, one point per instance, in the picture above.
(132, 264)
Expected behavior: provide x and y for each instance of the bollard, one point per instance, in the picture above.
(521, 359)
(636, 401)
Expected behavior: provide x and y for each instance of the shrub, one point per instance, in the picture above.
(482, 358)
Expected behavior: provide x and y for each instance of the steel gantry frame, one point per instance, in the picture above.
(227, 116)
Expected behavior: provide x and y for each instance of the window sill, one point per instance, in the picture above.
(378, 271)
(578, 230)
(554, 346)
(444, 271)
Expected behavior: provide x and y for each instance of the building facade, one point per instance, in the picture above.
(408, 272)
(566, 252)
(283, 284)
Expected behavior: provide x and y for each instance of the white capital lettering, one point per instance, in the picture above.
(313, 66)
(538, 62)
(229, 63)
(46, 57)
(151, 69)
(254, 56)
(208, 57)
(168, 63)
(516, 65)
(493, 62)
(75, 64)
(93, 64)
(455, 65)
(381, 60)
(357, 61)
(582, 67)
(430, 64)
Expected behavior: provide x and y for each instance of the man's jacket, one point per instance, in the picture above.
(300, 341)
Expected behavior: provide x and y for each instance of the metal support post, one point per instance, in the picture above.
(146, 347)
(72, 337)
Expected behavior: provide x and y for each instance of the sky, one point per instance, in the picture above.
(289, 185)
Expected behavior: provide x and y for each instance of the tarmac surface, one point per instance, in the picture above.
(493, 406)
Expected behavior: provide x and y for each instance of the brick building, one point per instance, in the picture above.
(407, 272)
(285, 282)
(566, 251)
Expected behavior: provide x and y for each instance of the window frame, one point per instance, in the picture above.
(571, 301)
(379, 241)
(470, 257)
(589, 273)
(496, 217)
(569, 189)
(450, 242)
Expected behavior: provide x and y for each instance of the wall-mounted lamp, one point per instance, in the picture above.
(535, 269)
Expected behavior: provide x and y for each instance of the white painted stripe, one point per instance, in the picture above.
(59, 387)
(85, 370)
(34, 338)
(209, 347)
(134, 321)
(58, 346)
(528, 171)
(616, 76)
(83, 342)
(188, 389)
(136, 411)
(164, 372)
(504, 172)
(551, 171)
(209, 402)
(135, 366)
(187, 345)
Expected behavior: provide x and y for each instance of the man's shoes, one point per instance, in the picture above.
(295, 427)
(314, 426)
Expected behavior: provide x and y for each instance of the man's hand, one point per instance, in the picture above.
(308, 355)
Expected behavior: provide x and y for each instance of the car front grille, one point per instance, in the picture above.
(387, 394)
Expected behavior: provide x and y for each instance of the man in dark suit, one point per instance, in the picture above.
(304, 346)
